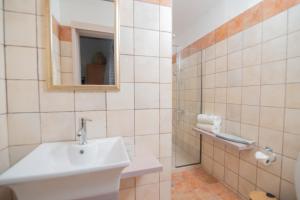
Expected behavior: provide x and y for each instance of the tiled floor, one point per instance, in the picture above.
(196, 184)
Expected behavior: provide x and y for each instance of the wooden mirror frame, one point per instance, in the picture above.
(49, 47)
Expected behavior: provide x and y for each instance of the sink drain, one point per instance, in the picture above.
(81, 151)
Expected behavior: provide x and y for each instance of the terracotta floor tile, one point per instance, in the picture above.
(196, 184)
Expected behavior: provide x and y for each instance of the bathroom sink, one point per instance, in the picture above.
(94, 167)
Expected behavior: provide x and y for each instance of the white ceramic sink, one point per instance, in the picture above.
(80, 171)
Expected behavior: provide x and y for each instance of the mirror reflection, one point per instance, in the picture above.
(83, 42)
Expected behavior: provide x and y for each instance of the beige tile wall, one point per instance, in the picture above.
(141, 111)
(4, 157)
(252, 81)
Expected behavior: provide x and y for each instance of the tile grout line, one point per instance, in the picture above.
(37, 71)
(285, 105)
(5, 80)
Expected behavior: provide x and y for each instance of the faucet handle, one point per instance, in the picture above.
(84, 120)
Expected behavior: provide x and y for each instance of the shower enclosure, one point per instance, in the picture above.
(187, 104)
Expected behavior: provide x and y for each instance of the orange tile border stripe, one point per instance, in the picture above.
(65, 33)
(250, 17)
(62, 32)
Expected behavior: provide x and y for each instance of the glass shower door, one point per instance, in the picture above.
(187, 103)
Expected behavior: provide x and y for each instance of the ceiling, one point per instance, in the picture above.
(185, 12)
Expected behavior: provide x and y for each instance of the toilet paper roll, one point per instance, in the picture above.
(264, 158)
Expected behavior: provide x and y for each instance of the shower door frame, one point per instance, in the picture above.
(179, 111)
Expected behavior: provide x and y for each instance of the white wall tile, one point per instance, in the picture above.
(24, 128)
(221, 64)
(235, 60)
(147, 179)
(146, 42)
(120, 123)
(293, 70)
(165, 124)
(293, 18)
(273, 73)
(146, 95)
(252, 56)
(268, 182)
(3, 132)
(92, 101)
(234, 78)
(165, 190)
(165, 45)
(54, 100)
(235, 42)
(26, 6)
(275, 26)
(272, 95)
(272, 118)
(126, 69)
(146, 69)
(59, 126)
(22, 96)
(146, 122)
(66, 48)
(123, 99)
(251, 95)
(291, 145)
(252, 36)
(42, 33)
(146, 15)
(1, 26)
(165, 145)
(292, 96)
(210, 53)
(221, 48)
(288, 169)
(287, 191)
(126, 40)
(2, 64)
(42, 64)
(4, 160)
(21, 62)
(275, 143)
(126, 12)
(291, 121)
(66, 64)
(165, 91)
(3, 105)
(294, 44)
(165, 70)
(147, 144)
(274, 50)
(247, 171)
(251, 75)
(165, 16)
(20, 29)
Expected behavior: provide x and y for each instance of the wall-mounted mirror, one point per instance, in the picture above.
(84, 41)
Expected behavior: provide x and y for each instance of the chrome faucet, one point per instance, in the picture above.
(82, 134)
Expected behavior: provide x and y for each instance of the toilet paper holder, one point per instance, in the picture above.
(266, 156)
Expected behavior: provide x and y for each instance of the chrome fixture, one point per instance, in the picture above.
(82, 134)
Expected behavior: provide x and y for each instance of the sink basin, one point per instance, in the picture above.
(67, 170)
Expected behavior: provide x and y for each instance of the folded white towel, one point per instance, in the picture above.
(209, 119)
(209, 128)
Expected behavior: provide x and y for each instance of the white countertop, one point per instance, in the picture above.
(141, 165)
